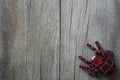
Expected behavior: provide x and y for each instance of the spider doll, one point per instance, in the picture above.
(101, 63)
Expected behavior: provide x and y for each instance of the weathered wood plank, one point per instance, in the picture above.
(33, 51)
(43, 40)
(29, 39)
(13, 40)
(101, 22)
(85, 21)
(67, 44)
(74, 19)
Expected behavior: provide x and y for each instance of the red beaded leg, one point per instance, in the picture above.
(98, 45)
(84, 67)
(93, 71)
(96, 74)
(91, 47)
(84, 60)
(90, 73)
(109, 53)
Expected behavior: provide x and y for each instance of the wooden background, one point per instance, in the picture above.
(42, 39)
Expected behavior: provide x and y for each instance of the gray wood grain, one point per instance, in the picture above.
(13, 40)
(42, 39)
(29, 36)
(86, 21)
(67, 56)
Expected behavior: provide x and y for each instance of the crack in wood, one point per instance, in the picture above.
(85, 10)
(59, 77)
(86, 34)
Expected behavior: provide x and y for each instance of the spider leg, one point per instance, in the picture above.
(96, 74)
(101, 53)
(94, 71)
(91, 73)
(108, 53)
(92, 48)
(98, 52)
(98, 45)
(84, 60)
(84, 67)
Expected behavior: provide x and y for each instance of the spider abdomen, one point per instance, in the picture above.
(107, 68)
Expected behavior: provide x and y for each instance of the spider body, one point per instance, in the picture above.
(101, 63)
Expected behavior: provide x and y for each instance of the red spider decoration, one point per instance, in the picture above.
(101, 63)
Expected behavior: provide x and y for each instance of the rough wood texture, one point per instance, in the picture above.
(42, 39)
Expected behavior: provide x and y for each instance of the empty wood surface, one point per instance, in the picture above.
(42, 39)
